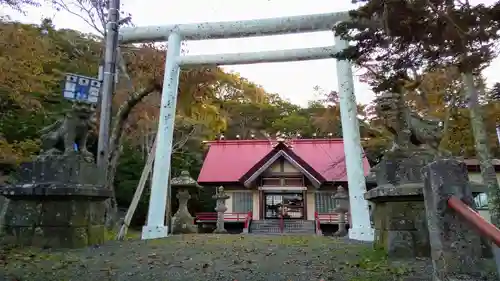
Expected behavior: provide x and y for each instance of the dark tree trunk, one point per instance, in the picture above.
(115, 144)
(482, 148)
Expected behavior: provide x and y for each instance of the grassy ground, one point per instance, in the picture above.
(213, 257)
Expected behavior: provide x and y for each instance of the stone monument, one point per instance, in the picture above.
(399, 215)
(69, 132)
(341, 198)
(182, 221)
(57, 200)
(221, 208)
(399, 212)
(455, 245)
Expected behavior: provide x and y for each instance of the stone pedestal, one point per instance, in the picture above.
(4, 203)
(221, 208)
(399, 216)
(182, 221)
(400, 226)
(57, 202)
(398, 207)
(455, 247)
(341, 198)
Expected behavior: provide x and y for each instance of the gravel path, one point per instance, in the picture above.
(212, 258)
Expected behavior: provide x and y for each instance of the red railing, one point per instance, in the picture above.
(485, 228)
(248, 219)
(317, 223)
(212, 217)
(331, 217)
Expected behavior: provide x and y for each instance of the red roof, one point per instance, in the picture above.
(229, 160)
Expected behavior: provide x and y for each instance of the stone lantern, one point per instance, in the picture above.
(182, 221)
(221, 208)
(341, 198)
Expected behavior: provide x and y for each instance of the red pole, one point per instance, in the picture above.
(316, 219)
(485, 228)
(247, 219)
(282, 224)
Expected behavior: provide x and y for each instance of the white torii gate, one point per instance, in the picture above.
(155, 226)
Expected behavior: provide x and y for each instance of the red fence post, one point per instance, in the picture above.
(282, 224)
(317, 224)
(455, 247)
(248, 219)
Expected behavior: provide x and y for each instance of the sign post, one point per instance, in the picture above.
(80, 88)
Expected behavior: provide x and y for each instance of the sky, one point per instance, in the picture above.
(291, 80)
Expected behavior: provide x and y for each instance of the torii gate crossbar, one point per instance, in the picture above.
(155, 226)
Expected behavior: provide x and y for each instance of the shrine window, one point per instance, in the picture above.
(242, 202)
(324, 202)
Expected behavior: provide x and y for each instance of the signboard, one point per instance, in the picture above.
(81, 88)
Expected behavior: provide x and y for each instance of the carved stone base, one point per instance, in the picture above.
(403, 243)
(456, 248)
(220, 231)
(54, 205)
(182, 221)
(55, 224)
(183, 224)
(342, 231)
(400, 224)
(399, 213)
(221, 208)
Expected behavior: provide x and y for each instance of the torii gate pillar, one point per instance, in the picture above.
(360, 225)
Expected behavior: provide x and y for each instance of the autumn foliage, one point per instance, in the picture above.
(210, 102)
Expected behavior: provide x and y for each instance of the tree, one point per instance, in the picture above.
(92, 12)
(29, 72)
(19, 5)
(494, 93)
(44, 54)
(147, 80)
(28, 56)
(327, 117)
(407, 38)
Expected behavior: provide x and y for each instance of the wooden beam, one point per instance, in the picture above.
(138, 192)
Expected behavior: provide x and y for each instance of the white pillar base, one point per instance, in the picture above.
(362, 234)
(154, 232)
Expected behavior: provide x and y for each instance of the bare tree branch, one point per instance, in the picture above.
(176, 147)
(88, 15)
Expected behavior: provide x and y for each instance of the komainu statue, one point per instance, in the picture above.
(69, 134)
(410, 130)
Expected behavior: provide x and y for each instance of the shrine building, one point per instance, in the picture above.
(276, 180)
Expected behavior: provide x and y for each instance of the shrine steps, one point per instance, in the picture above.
(289, 227)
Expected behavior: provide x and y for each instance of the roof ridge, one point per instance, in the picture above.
(319, 140)
(265, 141)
